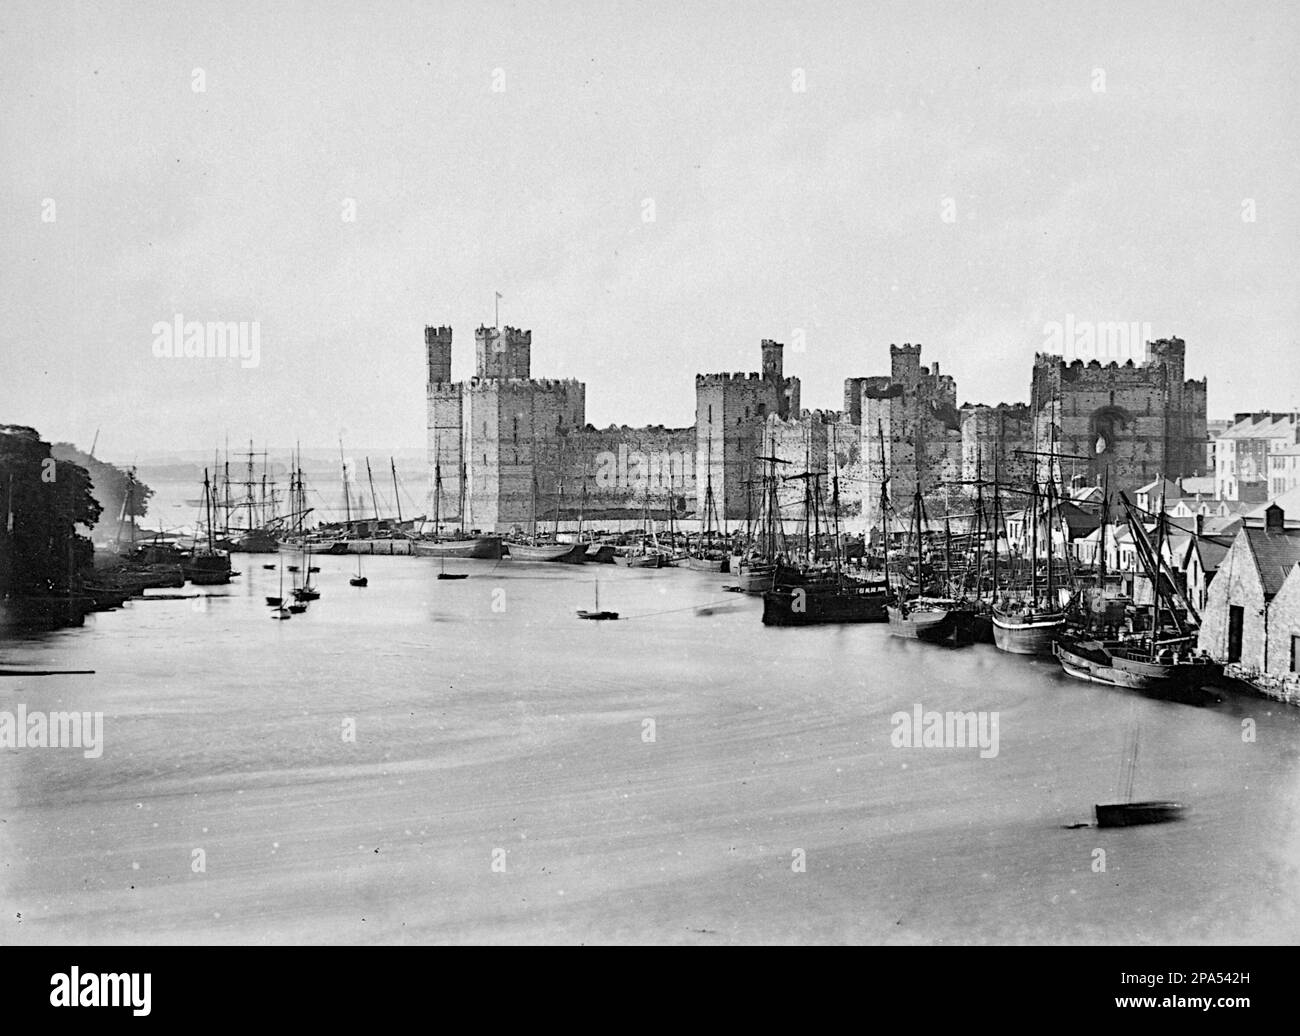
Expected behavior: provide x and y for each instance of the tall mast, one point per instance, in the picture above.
(884, 500)
(921, 520)
(997, 513)
(979, 526)
(347, 497)
(835, 495)
(947, 557)
(248, 486)
(207, 507)
(374, 502)
(396, 496)
(229, 503)
(559, 480)
(1032, 515)
(1105, 518)
(437, 488)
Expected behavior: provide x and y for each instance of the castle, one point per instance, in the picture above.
(516, 449)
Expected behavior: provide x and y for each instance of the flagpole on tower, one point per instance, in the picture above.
(496, 303)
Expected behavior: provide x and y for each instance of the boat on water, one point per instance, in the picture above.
(357, 580)
(307, 591)
(711, 562)
(1177, 676)
(1132, 814)
(1163, 660)
(815, 604)
(919, 618)
(597, 614)
(1027, 622)
(914, 615)
(562, 553)
(1128, 813)
(253, 541)
(709, 553)
(600, 553)
(645, 559)
(1022, 629)
(485, 547)
(753, 575)
(207, 565)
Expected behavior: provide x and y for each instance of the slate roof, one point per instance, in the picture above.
(1275, 553)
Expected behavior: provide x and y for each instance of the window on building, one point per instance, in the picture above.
(1295, 654)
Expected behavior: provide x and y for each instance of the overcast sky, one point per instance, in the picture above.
(493, 147)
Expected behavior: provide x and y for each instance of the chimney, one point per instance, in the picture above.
(1200, 524)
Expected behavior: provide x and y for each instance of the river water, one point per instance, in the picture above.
(682, 775)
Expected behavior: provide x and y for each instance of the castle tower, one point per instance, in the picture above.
(437, 344)
(905, 365)
(502, 353)
(772, 362)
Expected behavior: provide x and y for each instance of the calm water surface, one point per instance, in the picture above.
(488, 718)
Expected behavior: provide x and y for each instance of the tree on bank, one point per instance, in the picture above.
(113, 487)
(43, 501)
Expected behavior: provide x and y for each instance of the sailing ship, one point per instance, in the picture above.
(825, 597)
(359, 579)
(1129, 813)
(1029, 622)
(207, 566)
(460, 545)
(755, 567)
(710, 552)
(597, 615)
(916, 615)
(646, 553)
(1165, 661)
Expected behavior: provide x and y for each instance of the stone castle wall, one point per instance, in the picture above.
(505, 429)
(1132, 422)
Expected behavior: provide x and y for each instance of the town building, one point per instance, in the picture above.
(1251, 617)
(1242, 468)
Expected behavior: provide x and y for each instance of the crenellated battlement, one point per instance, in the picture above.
(738, 377)
(484, 385)
(436, 334)
(514, 333)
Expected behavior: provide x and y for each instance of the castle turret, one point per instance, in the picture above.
(772, 363)
(503, 353)
(437, 344)
(905, 364)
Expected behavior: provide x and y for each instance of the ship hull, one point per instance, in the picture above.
(932, 625)
(706, 564)
(600, 553)
(557, 553)
(483, 547)
(754, 579)
(1093, 661)
(797, 606)
(639, 560)
(1132, 814)
(1026, 634)
(207, 569)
